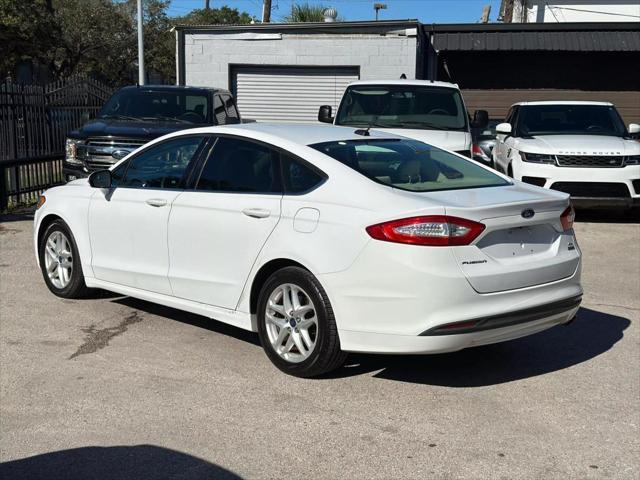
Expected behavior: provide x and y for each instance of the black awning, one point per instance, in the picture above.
(568, 37)
(590, 41)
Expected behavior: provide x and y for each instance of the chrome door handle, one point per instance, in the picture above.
(256, 212)
(156, 202)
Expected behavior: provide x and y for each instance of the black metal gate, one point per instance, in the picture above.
(34, 121)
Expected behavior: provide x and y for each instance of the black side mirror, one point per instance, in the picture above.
(480, 119)
(324, 114)
(100, 179)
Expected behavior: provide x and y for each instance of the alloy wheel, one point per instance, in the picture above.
(58, 259)
(291, 323)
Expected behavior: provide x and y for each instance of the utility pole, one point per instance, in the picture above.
(486, 11)
(266, 11)
(206, 5)
(140, 46)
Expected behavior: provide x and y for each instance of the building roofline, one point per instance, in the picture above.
(531, 27)
(381, 25)
(385, 25)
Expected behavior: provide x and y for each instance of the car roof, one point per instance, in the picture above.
(423, 83)
(564, 102)
(302, 134)
(158, 88)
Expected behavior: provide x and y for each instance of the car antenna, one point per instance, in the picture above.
(365, 131)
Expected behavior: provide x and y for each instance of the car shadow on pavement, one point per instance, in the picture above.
(16, 217)
(189, 318)
(135, 462)
(590, 335)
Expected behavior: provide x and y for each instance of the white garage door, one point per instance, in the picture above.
(289, 94)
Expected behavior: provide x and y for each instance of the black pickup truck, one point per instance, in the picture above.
(137, 114)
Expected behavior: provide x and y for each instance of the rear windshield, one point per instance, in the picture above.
(409, 165)
(403, 106)
(147, 104)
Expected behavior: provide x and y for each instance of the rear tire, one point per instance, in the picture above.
(296, 324)
(60, 262)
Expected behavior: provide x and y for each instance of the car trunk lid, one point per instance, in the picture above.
(523, 243)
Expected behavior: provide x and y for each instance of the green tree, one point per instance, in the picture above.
(96, 37)
(25, 27)
(214, 16)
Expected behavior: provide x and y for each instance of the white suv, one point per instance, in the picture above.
(581, 148)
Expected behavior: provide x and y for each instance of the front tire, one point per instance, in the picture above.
(296, 324)
(60, 262)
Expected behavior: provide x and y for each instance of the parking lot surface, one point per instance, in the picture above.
(113, 387)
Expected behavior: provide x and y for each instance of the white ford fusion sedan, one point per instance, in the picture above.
(322, 239)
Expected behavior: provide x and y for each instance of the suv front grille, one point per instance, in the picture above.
(593, 189)
(590, 161)
(97, 153)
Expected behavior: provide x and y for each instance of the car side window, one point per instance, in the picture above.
(298, 177)
(219, 111)
(236, 165)
(117, 174)
(163, 165)
(232, 111)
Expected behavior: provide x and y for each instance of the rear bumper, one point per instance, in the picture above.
(367, 342)
(411, 291)
(506, 319)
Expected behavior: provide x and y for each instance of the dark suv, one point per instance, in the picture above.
(135, 115)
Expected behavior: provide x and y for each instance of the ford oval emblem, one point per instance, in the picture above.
(527, 213)
(120, 154)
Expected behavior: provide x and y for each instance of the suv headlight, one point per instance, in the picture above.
(538, 158)
(632, 160)
(71, 151)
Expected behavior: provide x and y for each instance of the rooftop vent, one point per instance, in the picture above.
(330, 14)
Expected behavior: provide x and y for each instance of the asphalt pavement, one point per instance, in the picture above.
(116, 388)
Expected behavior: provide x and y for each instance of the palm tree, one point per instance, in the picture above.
(305, 13)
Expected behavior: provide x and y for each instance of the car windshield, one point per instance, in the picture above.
(403, 106)
(409, 164)
(569, 120)
(149, 104)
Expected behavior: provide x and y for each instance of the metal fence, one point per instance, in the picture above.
(34, 121)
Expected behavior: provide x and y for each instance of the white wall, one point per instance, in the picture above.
(551, 11)
(207, 56)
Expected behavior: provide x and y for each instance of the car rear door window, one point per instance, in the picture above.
(237, 165)
(299, 177)
(163, 165)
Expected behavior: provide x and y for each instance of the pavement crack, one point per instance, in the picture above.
(97, 339)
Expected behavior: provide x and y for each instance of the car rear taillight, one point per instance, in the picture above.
(432, 230)
(567, 218)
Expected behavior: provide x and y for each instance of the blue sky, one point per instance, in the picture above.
(427, 11)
